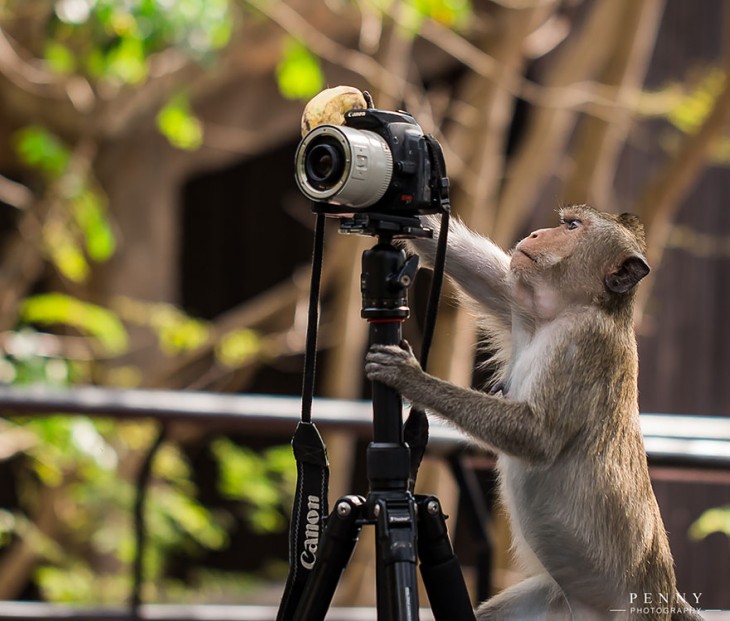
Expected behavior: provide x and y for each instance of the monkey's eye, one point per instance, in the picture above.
(572, 223)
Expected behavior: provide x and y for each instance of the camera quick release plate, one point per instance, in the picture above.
(385, 225)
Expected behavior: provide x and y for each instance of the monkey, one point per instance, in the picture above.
(562, 416)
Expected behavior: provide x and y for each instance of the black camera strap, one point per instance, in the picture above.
(415, 430)
(310, 499)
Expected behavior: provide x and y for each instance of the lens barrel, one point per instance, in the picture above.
(343, 166)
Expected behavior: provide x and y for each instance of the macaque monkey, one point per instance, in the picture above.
(562, 417)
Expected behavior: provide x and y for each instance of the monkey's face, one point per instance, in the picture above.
(545, 248)
(589, 258)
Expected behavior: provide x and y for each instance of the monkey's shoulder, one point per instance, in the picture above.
(584, 338)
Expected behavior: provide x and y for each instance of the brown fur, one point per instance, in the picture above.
(573, 471)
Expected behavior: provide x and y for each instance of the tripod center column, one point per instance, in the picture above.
(386, 274)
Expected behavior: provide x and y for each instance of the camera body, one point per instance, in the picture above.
(377, 162)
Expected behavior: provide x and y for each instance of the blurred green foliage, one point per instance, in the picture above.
(715, 520)
(82, 467)
(59, 308)
(686, 106)
(298, 73)
(692, 108)
(176, 331)
(113, 41)
(37, 148)
(23, 363)
(79, 221)
(181, 128)
(85, 468)
(85, 462)
(88, 208)
(237, 347)
(452, 13)
(264, 482)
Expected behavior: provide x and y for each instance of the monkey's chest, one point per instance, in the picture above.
(532, 359)
(525, 372)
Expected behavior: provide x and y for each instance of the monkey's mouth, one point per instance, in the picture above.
(529, 256)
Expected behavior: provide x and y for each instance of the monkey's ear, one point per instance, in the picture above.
(629, 272)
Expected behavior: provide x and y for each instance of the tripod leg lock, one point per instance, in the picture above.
(396, 527)
(394, 515)
(440, 568)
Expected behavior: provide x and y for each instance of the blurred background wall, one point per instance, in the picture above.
(151, 235)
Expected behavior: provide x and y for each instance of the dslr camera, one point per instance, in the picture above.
(378, 164)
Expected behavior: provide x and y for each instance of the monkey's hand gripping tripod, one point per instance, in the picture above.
(407, 527)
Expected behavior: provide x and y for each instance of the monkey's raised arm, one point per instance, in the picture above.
(478, 266)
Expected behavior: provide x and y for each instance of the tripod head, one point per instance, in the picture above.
(386, 275)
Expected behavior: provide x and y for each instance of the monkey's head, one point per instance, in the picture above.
(591, 257)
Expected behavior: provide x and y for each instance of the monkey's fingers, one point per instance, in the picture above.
(381, 347)
(381, 373)
(384, 359)
(385, 354)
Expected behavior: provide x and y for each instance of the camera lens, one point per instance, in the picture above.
(324, 165)
(343, 166)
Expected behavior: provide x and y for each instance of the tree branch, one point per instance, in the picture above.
(15, 194)
(34, 79)
(549, 128)
(325, 47)
(598, 141)
(663, 196)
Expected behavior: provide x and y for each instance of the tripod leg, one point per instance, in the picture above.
(440, 568)
(397, 585)
(333, 553)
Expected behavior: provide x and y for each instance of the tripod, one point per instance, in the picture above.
(408, 527)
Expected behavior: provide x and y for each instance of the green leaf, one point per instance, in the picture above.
(90, 215)
(64, 252)
(127, 61)
(447, 12)
(95, 62)
(263, 494)
(7, 527)
(38, 148)
(59, 58)
(220, 34)
(175, 330)
(716, 520)
(238, 347)
(177, 123)
(58, 308)
(65, 584)
(299, 74)
(691, 111)
(183, 514)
